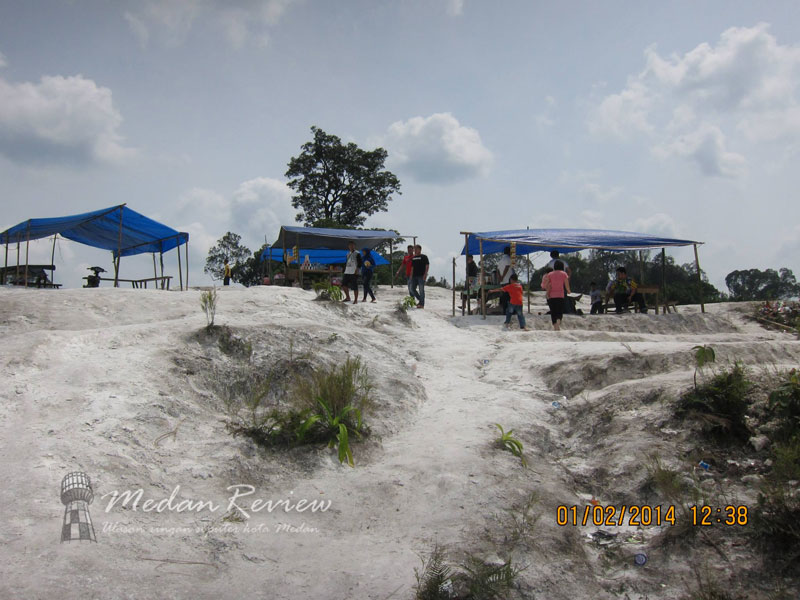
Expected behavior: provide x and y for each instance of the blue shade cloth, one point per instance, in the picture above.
(566, 240)
(321, 256)
(101, 229)
(332, 239)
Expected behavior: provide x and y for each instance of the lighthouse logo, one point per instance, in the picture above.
(77, 495)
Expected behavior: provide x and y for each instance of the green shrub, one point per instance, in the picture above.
(476, 579)
(720, 404)
(784, 402)
(433, 580)
(776, 518)
(326, 291)
(328, 408)
(208, 302)
(406, 303)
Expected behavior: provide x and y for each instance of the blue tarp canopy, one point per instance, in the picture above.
(332, 239)
(119, 229)
(322, 256)
(566, 240)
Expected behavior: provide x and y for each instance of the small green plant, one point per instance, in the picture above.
(703, 355)
(433, 580)
(507, 442)
(488, 581)
(406, 303)
(326, 291)
(720, 404)
(208, 302)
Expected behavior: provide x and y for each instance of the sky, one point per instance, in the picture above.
(676, 118)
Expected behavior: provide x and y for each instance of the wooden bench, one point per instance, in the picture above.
(139, 283)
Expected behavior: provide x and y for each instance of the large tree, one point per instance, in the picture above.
(754, 284)
(227, 247)
(338, 185)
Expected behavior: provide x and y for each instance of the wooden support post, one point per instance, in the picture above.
(161, 260)
(6, 265)
(467, 288)
(285, 262)
(186, 249)
(16, 278)
(27, 248)
(699, 280)
(391, 260)
(454, 286)
(180, 271)
(119, 248)
(664, 280)
(483, 282)
(155, 271)
(528, 259)
(53, 260)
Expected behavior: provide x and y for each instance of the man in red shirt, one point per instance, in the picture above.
(407, 264)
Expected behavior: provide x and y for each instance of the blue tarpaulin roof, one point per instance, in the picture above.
(333, 239)
(566, 240)
(322, 256)
(101, 229)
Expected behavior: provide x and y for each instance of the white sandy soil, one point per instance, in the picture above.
(94, 378)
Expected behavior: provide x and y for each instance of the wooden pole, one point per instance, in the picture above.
(155, 271)
(53, 260)
(391, 260)
(27, 247)
(119, 249)
(161, 260)
(285, 262)
(483, 283)
(6, 265)
(663, 279)
(699, 280)
(16, 278)
(180, 271)
(454, 286)
(528, 258)
(466, 275)
(186, 249)
(299, 265)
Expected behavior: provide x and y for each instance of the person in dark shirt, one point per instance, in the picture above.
(419, 273)
(367, 269)
(472, 273)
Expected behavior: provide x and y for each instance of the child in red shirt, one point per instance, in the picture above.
(514, 289)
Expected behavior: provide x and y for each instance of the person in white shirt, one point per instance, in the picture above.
(350, 278)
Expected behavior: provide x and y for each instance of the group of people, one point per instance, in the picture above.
(415, 265)
(556, 285)
(358, 262)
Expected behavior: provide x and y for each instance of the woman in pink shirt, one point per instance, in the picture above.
(555, 283)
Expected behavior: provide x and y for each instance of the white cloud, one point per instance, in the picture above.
(60, 120)
(437, 149)
(3, 61)
(656, 224)
(706, 147)
(624, 114)
(739, 91)
(257, 208)
(455, 8)
(242, 22)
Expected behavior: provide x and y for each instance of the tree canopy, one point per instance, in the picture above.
(754, 284)
(339, 185)
(227, 247)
